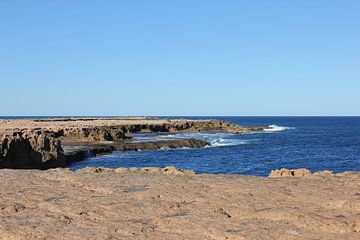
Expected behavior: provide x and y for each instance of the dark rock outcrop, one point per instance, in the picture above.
(75, 151)
(168, 144)
(31, 149)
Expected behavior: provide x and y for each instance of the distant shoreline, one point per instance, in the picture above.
(43, 137)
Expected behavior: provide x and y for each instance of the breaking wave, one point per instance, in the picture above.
(215, 139)
(276, 128)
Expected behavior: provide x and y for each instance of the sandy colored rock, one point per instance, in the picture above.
(303, 172)
(170, 170)
(289, 173)
(99, 129)
(147, 204)
(324, 172)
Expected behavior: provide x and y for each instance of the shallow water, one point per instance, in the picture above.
(316, 143)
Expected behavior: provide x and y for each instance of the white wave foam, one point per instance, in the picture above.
(276, 128)
(215, 139)
(227, 142)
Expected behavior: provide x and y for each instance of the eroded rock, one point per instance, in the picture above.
(31, 149)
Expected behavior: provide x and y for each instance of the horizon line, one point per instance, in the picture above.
(74, 116)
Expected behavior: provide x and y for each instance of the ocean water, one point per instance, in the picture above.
(316, 143)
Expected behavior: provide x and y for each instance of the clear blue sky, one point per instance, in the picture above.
(250, 57)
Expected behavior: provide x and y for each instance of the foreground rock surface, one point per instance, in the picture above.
(174, 204)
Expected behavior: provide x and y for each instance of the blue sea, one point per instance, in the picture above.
(316, 143)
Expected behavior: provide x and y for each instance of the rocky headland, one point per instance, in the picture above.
(40, 143)
(170, 203)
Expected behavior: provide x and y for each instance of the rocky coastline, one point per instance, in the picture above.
(40, 143)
